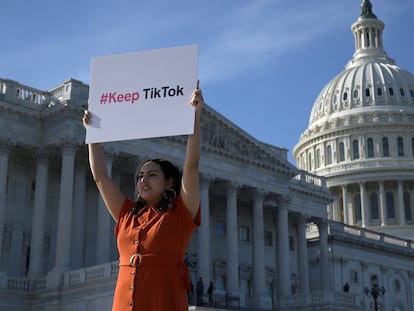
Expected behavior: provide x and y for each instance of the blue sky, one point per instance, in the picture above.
(262, 62)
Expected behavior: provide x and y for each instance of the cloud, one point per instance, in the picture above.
(262, 32)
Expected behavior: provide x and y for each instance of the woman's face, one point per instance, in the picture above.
(151, 183)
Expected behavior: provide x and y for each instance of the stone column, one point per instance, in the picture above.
(364, 211)
(4, 164)
(79, 217)
(64, 222)
(104, 218)
(401, 203)
(324, 254)
(345, 205)
(382, 204)
(232, 230)
(283, 247)
(259, 282)
(302, 254)
(204, 269)
(39, 215)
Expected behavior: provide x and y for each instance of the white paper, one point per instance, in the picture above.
(142, 95)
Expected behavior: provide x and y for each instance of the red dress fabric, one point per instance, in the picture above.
(156, 279)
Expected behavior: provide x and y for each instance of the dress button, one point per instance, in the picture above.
(136, 242)
(131, 288)
(132, 272)
(130, 303)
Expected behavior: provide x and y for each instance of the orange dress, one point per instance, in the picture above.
(152, 274)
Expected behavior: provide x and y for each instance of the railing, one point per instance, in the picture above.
(13, 91)
(318, 298)
(337, 228)
(310, 179)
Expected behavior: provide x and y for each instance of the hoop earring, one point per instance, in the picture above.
(169, 195)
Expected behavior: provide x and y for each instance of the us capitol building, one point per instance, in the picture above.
(334, 233)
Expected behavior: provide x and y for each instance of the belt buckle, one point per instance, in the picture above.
(132, 260)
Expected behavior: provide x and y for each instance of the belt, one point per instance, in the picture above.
(138, 260)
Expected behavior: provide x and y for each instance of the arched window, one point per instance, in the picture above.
(329, 154)
(345, 97)
(367, 92)
(357, 208)
(390, 205)
(355, 149)
(407, 206)
(400, 142)
(341, 152)
(379, 91)
(356, 94)
(391, 91)
(370, 147)
(385, 147)
(402, 93)
(318, 158)
(309, 162)
(373, 201)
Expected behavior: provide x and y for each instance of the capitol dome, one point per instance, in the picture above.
(361, 136)
(371, 80)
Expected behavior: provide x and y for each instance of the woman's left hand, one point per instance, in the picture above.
(197, 99)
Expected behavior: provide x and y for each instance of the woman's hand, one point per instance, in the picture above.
(197, 99)
(86, 118)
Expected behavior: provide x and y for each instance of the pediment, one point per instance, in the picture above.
(221, 136)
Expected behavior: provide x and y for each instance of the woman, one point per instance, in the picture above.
(154, 231)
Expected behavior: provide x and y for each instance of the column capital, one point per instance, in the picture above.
(232, 186)
(284, 200)
(206, 178)
(258, 193)
(41, 153)
(68, 146)
(109, 153)
(6, 145)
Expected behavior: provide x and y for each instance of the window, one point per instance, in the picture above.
(245, 287)
(391, 91)
(353, 276)
(356, 94)
(390, 205)
(219, 282)
(385, 147)
(370, 147)
(400, 142)
(268, 238)
(407, 206)
(367, 92)
(341, 152)
(402, 93)
(379, 91)
(329, 154)
(310, 162)
(220, 229)
(345, 97)
(357, 208)
(355, 149)
(244, 234)
(412, 93)
(291, 243)
(318, 158)
(373, 200)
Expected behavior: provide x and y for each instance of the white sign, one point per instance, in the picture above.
(142, 95)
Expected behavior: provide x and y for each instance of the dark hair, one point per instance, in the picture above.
(170, 171)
